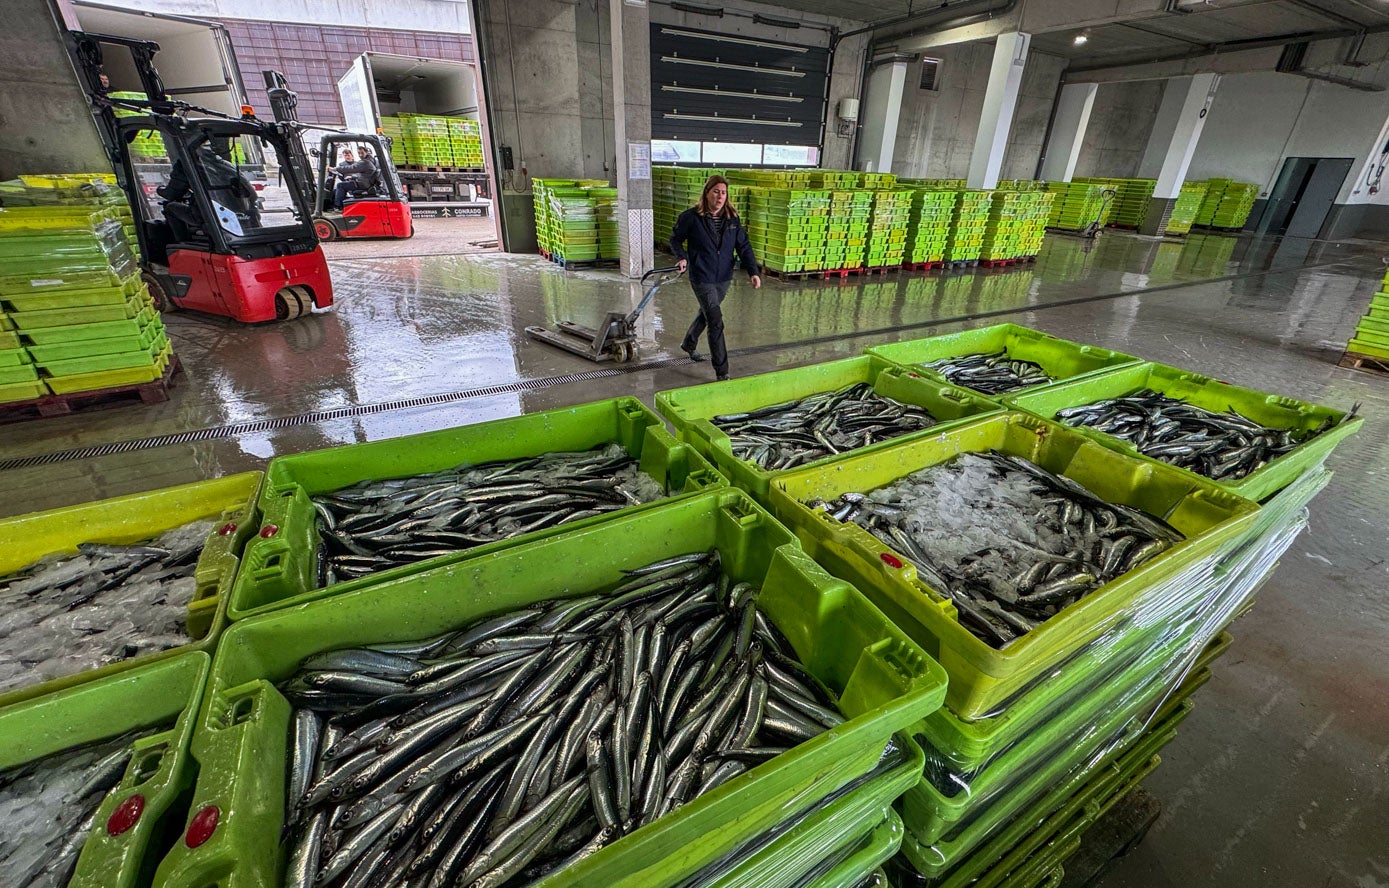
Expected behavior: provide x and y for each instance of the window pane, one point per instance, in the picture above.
(789, 155)
(671, 151)
(730, 153)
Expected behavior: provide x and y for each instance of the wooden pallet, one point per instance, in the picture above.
(1218, 229)
(881, 269)
(1365, 363)
(922, 266)
(999, 263)
(793, 275)
(423, 168)
(1119, 227)
(97, 399)
(958, 264)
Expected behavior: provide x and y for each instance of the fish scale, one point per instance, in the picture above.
(604, 765)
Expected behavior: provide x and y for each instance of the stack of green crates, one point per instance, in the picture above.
(1077, 204)
(147, 143)
(567, 217)
(971, 219)
(674, 190)
(1187, 205)
(928, 231)
(1016, 225)
(788, 228)
(76, 314)
(887, 234)
(936, 184)
(850, 216)
(834, 180)
(393, 128)
(1131, 202)
(1227, 204)
(96, 191)
(465, 142)
(877, 180)
(1372, 333)
(605, 211)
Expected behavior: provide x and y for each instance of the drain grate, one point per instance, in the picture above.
(531, 385)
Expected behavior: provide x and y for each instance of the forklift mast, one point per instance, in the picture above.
(87, 51)
(284, 106)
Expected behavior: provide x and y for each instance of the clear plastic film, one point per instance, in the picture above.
(46, 262)
(801, 850)
(982, 774)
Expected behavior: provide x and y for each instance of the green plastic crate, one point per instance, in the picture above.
(82, 332)
(981, 677)
(91, 347)
(18, 374)
(812, 836)
(857, 870)
(1274, 411)
(1061, 359)
(22, 391)
(281, 566)
(97, 363)
(690, 409)
(168, 691)
(960, 858)
(132, 519)
(884, 683)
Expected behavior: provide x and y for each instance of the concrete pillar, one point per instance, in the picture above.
(1068, 131)
(1176, 131)
(631, 67)
(1000, 99)
(882, 105)
(45, 123)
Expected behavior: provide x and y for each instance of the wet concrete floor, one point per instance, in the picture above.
(1280, 777)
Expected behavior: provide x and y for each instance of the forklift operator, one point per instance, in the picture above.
(353, 176)
(226, 186)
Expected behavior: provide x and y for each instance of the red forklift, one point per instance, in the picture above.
(375, 205)
(210, 239)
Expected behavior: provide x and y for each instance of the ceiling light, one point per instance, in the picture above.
(1082, 38)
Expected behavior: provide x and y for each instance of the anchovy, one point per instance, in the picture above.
(992, 374)
(377, 525)
(1009, 543)
(521, 744)
(73, 611)
(1223, 446)
(781, 436)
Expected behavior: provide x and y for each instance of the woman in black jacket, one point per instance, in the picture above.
(705, 239)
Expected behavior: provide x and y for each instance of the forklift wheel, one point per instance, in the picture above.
(292, 302)
(158, 295)
(325, 230)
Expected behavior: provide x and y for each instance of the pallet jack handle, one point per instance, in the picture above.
(667, 275)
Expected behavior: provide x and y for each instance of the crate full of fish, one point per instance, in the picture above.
(1001, 359)
(339, 519)
(757, 427)
(621, 705)
(1250, 442)
(93, 777)
(1005, 545)
(91, 589)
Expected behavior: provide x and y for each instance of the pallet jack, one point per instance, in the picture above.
(379, 211)
(212, 246)
(615, 339)
(1092, 229)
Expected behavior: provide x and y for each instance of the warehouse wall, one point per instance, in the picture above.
(41, 98)
(936, 131)
(432, 16)
(550, 82)
(1259, 120)
(1120, 123)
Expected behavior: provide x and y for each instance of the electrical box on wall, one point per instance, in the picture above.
(507, 162)
(848, 110)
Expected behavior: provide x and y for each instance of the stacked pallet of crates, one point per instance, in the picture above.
(147, 143)
(968, 226)
(1017, 767)
(1185, 208)
(877, 180)
(1076, 205)
(1017, 224)
(555, 199)
(1371, 338)
(605, 211)
(833, 180)
(675, 190)
(465, 142)
(788, 228)
(1131, 202)
(887, 233)
(74, 304)
(393, 128)
(1236, 203)
(928, 229)
(426, 140)
(850, 216)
